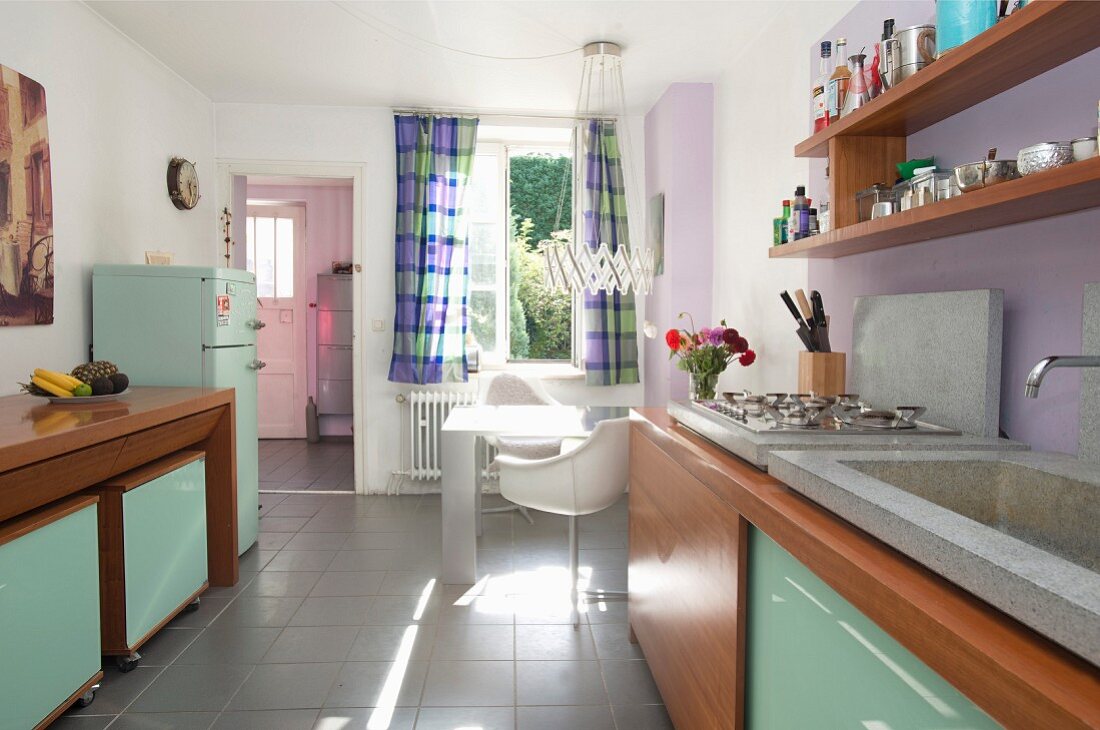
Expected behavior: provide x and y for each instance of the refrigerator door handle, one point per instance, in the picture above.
(257, 365)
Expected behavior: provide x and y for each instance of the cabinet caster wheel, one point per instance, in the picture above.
(127, 663)
(192, 607)
(88, 697)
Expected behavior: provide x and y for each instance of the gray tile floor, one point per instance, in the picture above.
(294, 464)
(339, 623)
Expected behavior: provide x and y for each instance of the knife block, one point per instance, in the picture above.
(822, 373)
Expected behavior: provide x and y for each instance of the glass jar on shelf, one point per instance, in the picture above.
(866, 199)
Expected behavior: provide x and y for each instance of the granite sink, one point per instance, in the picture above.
(1052, 512)
(1020, 530)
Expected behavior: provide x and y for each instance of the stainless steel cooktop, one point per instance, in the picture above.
(808, 413)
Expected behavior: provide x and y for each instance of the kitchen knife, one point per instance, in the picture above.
(821, 323)
(803, 330)
(808, 314)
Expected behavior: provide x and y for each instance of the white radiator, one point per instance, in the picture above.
(428, 409)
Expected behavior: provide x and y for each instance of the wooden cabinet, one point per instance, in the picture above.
(716, 550)
(687, 599)
(152, 548)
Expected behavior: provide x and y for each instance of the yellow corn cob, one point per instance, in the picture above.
(61, 380)
(51, 388)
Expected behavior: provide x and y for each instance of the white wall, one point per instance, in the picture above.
(261, 132)
(116, 117)
(762, 102)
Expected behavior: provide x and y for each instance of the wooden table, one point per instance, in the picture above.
(48, 452)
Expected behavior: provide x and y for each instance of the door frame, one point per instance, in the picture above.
(357, 173)
(300, 354)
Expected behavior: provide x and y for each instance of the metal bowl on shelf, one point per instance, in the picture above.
(977, 175)
(1045, 156)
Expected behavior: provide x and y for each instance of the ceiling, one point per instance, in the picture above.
(389, 53)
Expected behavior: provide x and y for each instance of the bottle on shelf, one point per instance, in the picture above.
(858, 93)
(837, 89)
(819, 95)
(799, 223)
(784, 229)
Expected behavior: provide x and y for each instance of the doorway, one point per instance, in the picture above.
(298, 227)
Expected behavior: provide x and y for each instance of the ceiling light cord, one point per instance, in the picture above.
(370, 23)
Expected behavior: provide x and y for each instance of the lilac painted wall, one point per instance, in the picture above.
(1042, 265)
(679, 162)
(328, 239)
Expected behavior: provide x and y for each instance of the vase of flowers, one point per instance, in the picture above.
(705, 354)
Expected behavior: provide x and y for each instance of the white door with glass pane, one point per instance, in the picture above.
(276, 254)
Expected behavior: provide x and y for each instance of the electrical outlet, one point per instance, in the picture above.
(378, 325)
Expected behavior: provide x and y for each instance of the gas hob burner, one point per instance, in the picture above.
(902, 417)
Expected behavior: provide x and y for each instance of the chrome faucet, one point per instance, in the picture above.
(1035, 377)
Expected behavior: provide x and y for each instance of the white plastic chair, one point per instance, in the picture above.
(581, 481)
(502, 389)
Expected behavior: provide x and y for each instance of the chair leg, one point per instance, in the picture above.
(574, 559)
(510, 508)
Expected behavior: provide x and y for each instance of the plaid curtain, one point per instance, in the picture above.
(435, 157)
(610, 325)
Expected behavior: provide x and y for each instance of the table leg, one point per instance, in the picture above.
(221, 500)
(479, 466)
(459, 508)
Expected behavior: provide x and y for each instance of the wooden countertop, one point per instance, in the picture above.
(1020, 678)
(32, 429)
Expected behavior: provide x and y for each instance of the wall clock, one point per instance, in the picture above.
(183, 184)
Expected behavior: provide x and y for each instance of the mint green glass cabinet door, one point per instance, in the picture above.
(49, 617)
(164, 530)
(815, 661)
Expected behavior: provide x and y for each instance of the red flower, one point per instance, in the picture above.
(747, 358)
(729, 336)
(741, 345)
(672, 339)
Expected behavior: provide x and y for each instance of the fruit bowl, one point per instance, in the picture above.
(74, 401)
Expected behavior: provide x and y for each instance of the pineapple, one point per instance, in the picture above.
(91, 371)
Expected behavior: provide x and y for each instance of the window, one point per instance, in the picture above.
(39, 187)
(33, 97)
(5, 125)
(270, 253)
(5, 193)
(519, 195)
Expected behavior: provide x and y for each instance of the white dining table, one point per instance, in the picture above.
(461, 481)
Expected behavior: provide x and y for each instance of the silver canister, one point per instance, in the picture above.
(906, 52)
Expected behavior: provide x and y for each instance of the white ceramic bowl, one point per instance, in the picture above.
(1083, 148)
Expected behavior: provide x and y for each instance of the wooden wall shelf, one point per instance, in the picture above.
(1039, 37)
(1041, 195)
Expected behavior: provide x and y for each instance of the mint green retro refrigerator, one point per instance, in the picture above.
(187, 326)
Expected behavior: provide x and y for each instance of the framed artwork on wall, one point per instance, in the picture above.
(655, 232)
(26, 203)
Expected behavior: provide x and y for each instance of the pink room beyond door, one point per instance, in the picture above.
(276, 242)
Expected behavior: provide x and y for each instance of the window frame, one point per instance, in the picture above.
(295, 211)
(501, 358)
